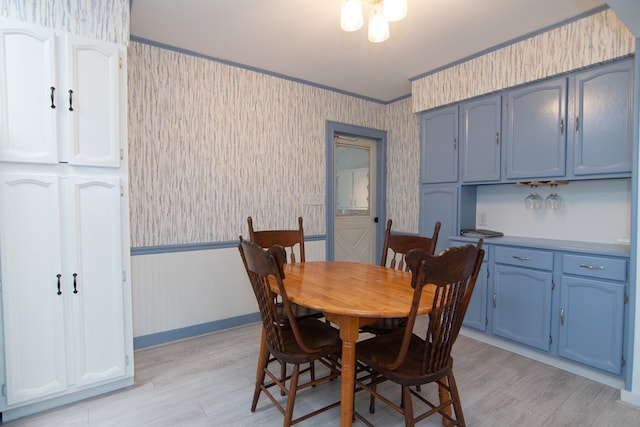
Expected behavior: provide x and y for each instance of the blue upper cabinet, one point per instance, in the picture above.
(536, 130)
(439, 146)
(603, 120)
(439, 203)
(480, 139)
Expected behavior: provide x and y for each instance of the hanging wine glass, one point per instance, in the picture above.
(534, 200)
(553, 200)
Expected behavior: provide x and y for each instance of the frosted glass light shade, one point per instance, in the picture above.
(351, 15)
(378, 24)
(395, 10)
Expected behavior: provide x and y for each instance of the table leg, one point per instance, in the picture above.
(443, 394)
(349, 334)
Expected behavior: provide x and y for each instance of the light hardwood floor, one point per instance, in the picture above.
(208, 381)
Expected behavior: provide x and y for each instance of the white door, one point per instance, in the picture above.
(70, 87)
(90, 103)
(32, 304)
(355, 194)
(28, 101)
(94, 271)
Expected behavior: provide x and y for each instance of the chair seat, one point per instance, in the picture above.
(385, 325)
(299, 312)
(317, 334)
(384, 349)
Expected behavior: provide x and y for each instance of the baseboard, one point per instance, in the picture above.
(34, 408)
(193, 331)
(630, 398)
(592, 374)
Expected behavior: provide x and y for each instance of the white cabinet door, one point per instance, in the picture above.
(92, 103)
(361, 188)
(33, 307)
(63, 98)
(62, 281)
(94, 269)
(28, 110)
(344, 189)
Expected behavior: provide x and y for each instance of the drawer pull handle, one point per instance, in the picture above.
(592, 267)
(562, 316)
(494, 300)
(521, 258)
(70, 100)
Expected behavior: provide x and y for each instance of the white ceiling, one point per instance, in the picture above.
(302, 40)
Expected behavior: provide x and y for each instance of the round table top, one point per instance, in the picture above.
(355, 289)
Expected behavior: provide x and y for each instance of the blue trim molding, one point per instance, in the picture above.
(192, 331)
(168, 249)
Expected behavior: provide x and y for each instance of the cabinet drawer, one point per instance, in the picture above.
(593, 266)
(532, 258)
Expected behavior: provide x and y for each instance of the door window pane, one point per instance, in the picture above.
(352, 180)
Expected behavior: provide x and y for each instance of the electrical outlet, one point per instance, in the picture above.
(482, 218)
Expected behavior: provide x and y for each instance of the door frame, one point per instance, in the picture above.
(380, 136)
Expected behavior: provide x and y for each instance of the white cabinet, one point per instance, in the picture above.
(353, 189)
(70, 87)
(64, 232)
(62, 275)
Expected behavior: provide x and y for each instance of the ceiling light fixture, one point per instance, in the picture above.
(382, 12)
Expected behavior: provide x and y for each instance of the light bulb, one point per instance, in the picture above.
(378, 25)
(351, 15)
(395, 10)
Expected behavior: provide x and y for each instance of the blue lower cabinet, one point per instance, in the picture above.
(519, 286)
(476, 316)
(521, 303)
(592, 322)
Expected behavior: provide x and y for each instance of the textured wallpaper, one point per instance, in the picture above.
(210, 144)
(106, 20)
(403, 166)
(587, 41)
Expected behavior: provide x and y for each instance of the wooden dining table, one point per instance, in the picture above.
(352, 295)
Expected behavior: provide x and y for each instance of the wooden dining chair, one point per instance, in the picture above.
(394, 250)
(409, 359)
(293, 242)
(297, 342)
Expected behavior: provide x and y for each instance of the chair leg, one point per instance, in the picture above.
(457, 405)
(372, 401)
(407, 406)
(260, 374)
(291, 397)
(283, 375)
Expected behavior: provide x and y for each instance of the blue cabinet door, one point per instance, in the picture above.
(521, 303)
(439, 203)
(476, 316)
(591, 322)
(480, 139)
(439, 145)
(536, 130)
(603, 126)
